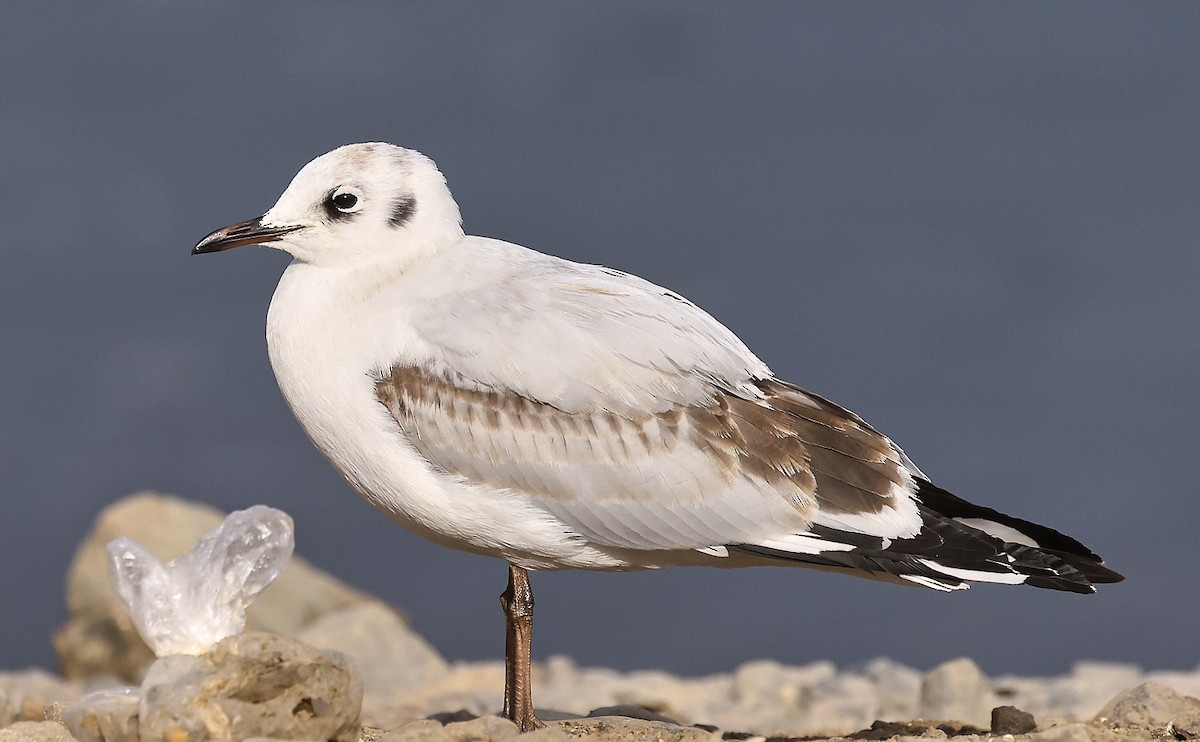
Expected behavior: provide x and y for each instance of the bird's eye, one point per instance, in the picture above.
(345, 202)
(341, 203)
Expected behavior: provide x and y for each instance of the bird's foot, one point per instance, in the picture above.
(525, 720)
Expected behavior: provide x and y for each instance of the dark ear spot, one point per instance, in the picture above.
(402, 211)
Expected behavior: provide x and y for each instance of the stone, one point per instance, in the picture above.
(188, 604)
(631, 711)
(53, 711)
(846, 703)
(1152, 707)
(98, 637)
(549, 733)
(621, 729)
(421, 730)
(453, 717)
(393, 660)
(767, 681)
(474, 687)
(600, 729)
(881, 730)
(794, 700)
(104, 716)
(897, 688)
(1077, 695)
(1012, 720)
(956, 690)
(252, 685)
(25, 693)
(483, 728)
(101, 642)
(1187, 683)
(35, 731)
(1074, 732)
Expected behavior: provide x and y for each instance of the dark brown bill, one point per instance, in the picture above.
(249, 232)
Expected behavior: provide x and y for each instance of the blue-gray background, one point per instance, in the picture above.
(974, 223)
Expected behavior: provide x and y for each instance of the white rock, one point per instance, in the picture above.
(897, 686)
(767, 681)
(394, 661)
(104, 716)
(957, 690)
(252, 685)
(25, 692)
(1152, 707)
(35, 731)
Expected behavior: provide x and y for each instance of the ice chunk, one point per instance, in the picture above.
(189, 604)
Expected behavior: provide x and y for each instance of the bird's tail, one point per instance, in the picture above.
(959, 543)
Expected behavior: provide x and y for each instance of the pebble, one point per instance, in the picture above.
(1012, 720)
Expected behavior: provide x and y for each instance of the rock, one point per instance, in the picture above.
(483, 728)
(956, 690)
(619, 729)
(630, 711)
(101, 642)
(1063, 733)
(1012, 720)
(24, 694)
(394, 661)
(252, 685)
(98, 638)
(685, 699)
(798, 700)
(847, 703)
(1078, 695)
(35, 731)
(421, 730)
(104, 716)
(475, 687)
(601, 729)
(1187, 683)
(480, 729)
(1151, 706)
(897, 688)
(880, 730)
(767, 681)
(370, 734)
(551, 733)
(53, 711)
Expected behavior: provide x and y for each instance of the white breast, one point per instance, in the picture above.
(326, 349)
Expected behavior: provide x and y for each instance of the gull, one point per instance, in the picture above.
(560, 415)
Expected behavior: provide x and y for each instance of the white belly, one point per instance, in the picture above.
(326, 357)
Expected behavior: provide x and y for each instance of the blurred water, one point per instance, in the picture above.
(974, 224)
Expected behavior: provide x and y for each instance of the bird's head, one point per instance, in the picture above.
(360, 203)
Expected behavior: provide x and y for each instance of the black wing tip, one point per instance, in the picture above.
(951, 552)
(1084, 567)
(1093, 570)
